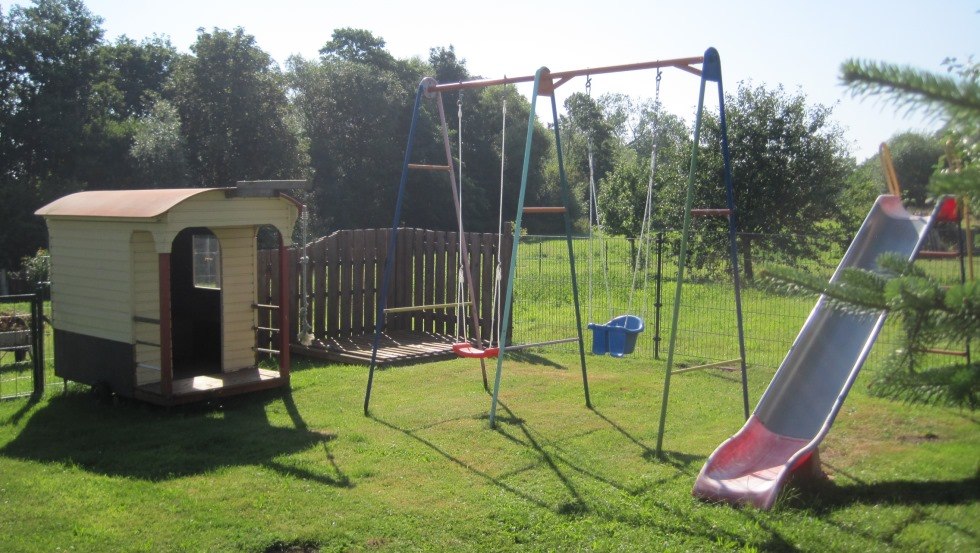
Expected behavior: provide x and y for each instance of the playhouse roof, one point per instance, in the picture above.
(126, 204)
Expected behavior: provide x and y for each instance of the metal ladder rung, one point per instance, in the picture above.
(711, 212)
(928, 254)
(424, 167)
(706, 366)
(944, 352)
(424, 307)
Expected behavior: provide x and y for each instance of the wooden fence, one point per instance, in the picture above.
(345, 275)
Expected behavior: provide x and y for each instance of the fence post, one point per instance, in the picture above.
(37, 334)
(659, 303)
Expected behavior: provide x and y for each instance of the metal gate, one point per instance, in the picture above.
(22, 345)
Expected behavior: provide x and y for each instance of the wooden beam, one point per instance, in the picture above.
(533, 210)
(166, 320)
(424, 167)
(684, 64)
(284, 289)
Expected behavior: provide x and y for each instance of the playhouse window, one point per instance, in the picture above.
(207, 261)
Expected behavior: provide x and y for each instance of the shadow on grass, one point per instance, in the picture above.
(663, 513)
(146, 442)
(23, 410)
(680, 461)
(527, 356)
(824, 495)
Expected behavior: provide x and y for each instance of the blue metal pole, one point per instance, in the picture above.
(392, 239)
(712, 70)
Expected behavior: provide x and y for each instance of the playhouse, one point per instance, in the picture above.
(155, 293)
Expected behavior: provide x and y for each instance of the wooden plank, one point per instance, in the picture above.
(429, 286)
(487, 244)
(423, 167)
(452, 276)
(507, 247)
(317, 268)
(332, 271)
(358, 262)
(396, 347)
(346, 282)
(540, 210)
(439, 290)
(474, 247)
(370, 282)
(418, 277)
(930, 254)
(402, 278)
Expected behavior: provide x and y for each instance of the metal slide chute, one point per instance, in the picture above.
(800, 404)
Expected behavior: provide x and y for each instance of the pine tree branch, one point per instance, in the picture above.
(912, 88)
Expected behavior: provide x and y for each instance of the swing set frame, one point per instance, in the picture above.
(545, 82)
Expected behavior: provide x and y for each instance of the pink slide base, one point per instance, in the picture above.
(751, 466)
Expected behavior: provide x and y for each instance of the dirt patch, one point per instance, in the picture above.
(919, 438)
(293, 547)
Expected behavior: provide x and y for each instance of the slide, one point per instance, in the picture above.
(799, 406)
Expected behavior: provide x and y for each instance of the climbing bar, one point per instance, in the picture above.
(424, 307)
(530, 210)
(540, 344)
(265, 329)
(944, 352)
(422, 167)
(264, 306)
(266, 350)
(926, 254)
(561, 77)
(736, 362)
(722, 212)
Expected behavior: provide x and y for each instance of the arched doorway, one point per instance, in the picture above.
(195, 302)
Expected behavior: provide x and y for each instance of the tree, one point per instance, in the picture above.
(789, 165)
(49, 114)
(138, 72)
(914, 156)
(356, 107)
(355, 115)
(954, 97)
(357, 46)
(158, 149)
(622, 198)
(233, 110)
(930, 313)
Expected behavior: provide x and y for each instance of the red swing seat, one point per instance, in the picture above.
(465, 349)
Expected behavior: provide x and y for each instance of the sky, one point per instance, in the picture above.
(799, 45)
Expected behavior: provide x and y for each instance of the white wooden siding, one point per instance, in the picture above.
(90, 284)
(146, 304)
(238, 289)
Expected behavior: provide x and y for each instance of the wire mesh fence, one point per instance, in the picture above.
(17, 369)
(610, 284)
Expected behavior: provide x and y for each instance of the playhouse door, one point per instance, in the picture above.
(195, 303)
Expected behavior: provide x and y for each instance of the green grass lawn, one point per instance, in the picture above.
(305, 469)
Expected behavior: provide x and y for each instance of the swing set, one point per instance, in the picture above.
(618, 335)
